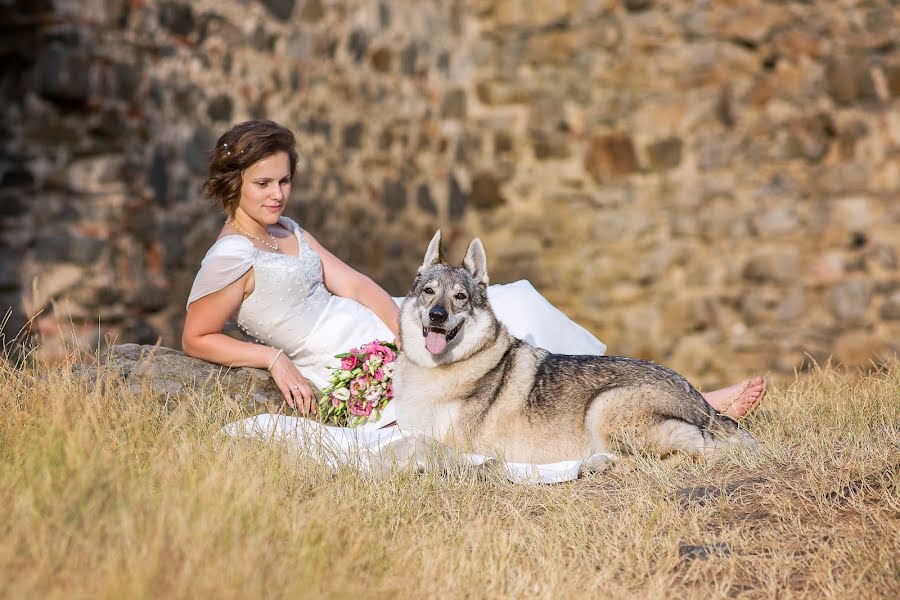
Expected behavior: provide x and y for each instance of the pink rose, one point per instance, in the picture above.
(388, 354)
(348, 363)
(363, 409)
(358, 386)
(378, 375)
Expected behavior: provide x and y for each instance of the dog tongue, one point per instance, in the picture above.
(436, 342)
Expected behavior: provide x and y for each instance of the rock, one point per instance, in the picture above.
(456, 199)
(149, 297)
(170, 374)
(890, 310)
(849, 301)
(637, 5)
(158, 175)
(351, 136)
(892, 77)
(63, 74)
(778, 220)
(776, 266)
(795, 43)
(665, 154)
(196, 150)
(393, 194)
(689, 552)
(849, 79)
(610, 156)
(808, 138)
(357, 44)
(220, 108)
(312, 11)
(176, 17)
(549, 144)
(280, 9)
(381, 60)
(68, 246)
(853, 213)
(424, 200)
(454, 105)
(53, 282)
(485, 192)
(408, 59)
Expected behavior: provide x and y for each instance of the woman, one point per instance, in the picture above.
(304, 305)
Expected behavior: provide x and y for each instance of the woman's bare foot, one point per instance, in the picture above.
(738, 400)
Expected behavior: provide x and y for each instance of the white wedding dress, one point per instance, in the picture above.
(291, 309)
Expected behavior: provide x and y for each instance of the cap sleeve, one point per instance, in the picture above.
(227, 260)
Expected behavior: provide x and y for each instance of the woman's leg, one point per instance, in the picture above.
(738, 400)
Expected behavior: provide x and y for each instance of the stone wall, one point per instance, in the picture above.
(709, 184)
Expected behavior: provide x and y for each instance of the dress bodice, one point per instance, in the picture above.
(288, 295)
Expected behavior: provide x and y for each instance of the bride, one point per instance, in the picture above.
(303, 305)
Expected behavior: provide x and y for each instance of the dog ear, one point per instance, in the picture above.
(476, 262)
(433, 255)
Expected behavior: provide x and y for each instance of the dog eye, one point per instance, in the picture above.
(460, 296)
(429, 291)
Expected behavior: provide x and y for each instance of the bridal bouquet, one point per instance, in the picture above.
(361, 387)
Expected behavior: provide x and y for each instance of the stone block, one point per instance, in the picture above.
(609, 156)
(357, 44)
(393, 195)
(454, 105)
(665, 154)
(177, 18)
(779, 266)
(550, 144)
(456, 199)
(890, 310)
(424, 200)
(381, 60)
(485, 193)
(220, 108)
(63, 74)
(892, 79)
(849, 79)
(280, 9)
(68, 246)
(312, 11)
(54, 281)
(351, 136)
(849, 301)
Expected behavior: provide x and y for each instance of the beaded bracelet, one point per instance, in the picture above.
(272, 364)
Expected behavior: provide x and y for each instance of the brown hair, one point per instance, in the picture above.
(239, 148)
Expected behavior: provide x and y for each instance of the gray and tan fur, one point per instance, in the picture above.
(464, 380)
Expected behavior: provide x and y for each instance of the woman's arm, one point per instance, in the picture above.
(203, 338)
(342, 280)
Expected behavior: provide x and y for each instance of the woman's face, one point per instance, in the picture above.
(265, 189)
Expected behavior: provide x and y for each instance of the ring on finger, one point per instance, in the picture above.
(295, 387)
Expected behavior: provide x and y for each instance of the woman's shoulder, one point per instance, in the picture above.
(232, 245)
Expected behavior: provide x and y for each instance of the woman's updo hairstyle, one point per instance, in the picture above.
(239, 148)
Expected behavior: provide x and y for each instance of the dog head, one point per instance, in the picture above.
(446, 316)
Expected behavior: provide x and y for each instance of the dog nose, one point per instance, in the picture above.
(437, 315)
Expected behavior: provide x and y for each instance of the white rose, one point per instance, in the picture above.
(342, 394)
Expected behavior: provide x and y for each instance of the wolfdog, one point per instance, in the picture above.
(462, 379)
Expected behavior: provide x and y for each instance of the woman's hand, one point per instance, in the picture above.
(297, 391)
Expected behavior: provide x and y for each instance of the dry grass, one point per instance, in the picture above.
(107, 493)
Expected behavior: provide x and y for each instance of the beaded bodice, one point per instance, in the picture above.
(288, 295)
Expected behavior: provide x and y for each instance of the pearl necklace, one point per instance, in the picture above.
(274, 246)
